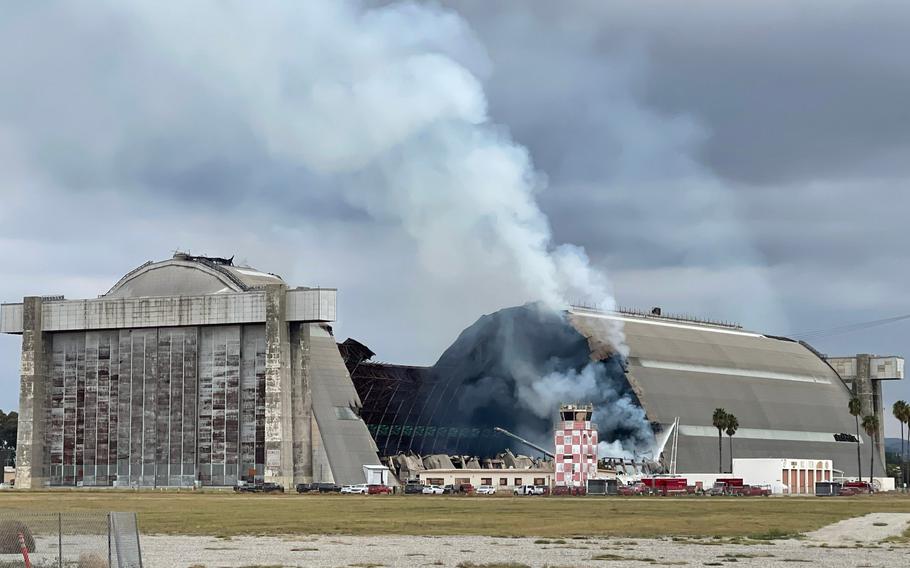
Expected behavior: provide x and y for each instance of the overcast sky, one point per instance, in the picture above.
(747, 161)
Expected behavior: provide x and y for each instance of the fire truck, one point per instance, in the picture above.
(666, 485)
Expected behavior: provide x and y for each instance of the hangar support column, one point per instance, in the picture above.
(869, 391)
(301, 403)
(30, 467)
(279, 462)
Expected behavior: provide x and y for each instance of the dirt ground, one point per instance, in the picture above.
(472, 551)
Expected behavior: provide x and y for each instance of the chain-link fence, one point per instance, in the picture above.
(69, 540)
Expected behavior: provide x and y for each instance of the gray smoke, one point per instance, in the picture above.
(386, 102)
(622, 425)
(513, 369)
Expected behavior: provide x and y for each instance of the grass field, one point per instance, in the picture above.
(227, 514)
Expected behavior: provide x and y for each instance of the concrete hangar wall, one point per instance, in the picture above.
(191, 369)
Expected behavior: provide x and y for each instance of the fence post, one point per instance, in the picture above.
(109, 541)
(60, 540)
(138, 545)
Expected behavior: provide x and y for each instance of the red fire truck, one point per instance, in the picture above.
(666, 485)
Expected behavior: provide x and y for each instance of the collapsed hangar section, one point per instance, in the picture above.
(191, 370)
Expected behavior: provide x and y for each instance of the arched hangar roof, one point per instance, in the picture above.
(185, 275)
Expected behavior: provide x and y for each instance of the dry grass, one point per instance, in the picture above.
(228, 514)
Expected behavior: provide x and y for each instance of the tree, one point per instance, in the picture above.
(856, 408)
(719, 420)
(870, 426)
(899, 408)
(730, 427)
(9, 424)
(905, 419)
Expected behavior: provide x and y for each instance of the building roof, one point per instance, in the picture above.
(186, 275)
(788, 400)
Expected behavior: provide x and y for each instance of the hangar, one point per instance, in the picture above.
(190, 370)
(789, 400)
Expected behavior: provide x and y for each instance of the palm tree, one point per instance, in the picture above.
(719, 420)
(898, 409)
(856, 408)
(732, 424)
(905, 419)
(870, 426)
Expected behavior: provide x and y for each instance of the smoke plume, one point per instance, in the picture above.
(513, 369)
(386, 102)
(380, 106)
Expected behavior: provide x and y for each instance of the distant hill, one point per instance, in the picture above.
(893, 445)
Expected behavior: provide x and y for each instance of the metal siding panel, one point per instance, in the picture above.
(125, 409)
(219, 365)
(204, 439)
(149, 406)
(251, 403)
(188, 454)
(232, 408)
(218, 404)
(137, 392)
(260, 404)
(173, 454)
(165, 355)
(56, 409)
(79, 453)
(69, 411)
(90, 408)
(103, 417)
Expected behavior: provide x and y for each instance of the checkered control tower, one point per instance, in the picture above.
(576, 445)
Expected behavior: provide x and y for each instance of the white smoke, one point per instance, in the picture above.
(387, 102)
(616, 413)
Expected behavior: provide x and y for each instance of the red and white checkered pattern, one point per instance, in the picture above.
(576, 453)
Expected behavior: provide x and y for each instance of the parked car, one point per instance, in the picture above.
(306, 487)
(414, 488)
(449, 490)
(379, 490)
(327, 488)
(433, 490)
(529, 490)
(259, 488)
(359, 489)
(465, 488)
(486, 490)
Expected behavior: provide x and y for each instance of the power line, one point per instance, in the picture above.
(849, 328)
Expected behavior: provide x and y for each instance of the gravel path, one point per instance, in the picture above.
(869, 528)
(404, 551)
